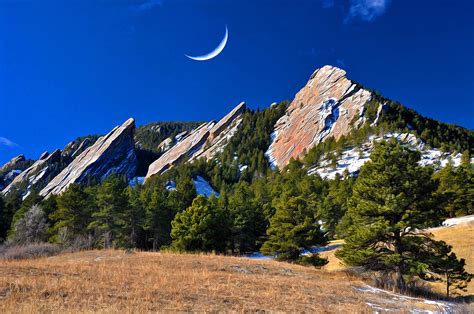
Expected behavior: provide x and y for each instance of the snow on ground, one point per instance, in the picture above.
(203, 187)
(352, 158)
(389, 299)
(459, 220)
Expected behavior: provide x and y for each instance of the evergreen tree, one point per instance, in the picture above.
(6, 215)
(73, 214)
(201, 227)
(441, 264)
(109, 219)
(392, 198)
(134, 217)
(293, 227)
(456, 188)
(248, 221)
(158, 216)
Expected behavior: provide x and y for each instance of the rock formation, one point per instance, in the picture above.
(329, 105)
(112, 153)
(11, 169)
(204, 142)
(36, 174)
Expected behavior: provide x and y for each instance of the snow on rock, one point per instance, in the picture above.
(35, 173)
(352, 158)
(203, 187)
(330, 105)
(203, 142)
(269, 153)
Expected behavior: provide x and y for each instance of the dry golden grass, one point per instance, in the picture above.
(113, 281)
(461, 237)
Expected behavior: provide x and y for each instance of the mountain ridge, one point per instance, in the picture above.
(331, 112)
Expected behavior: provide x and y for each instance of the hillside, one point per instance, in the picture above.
(457, 235)
(114, 281)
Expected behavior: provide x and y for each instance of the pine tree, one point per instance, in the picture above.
(441, 264)
(109, 219)
(158, 216)
(73, 213)
(248, 222)
(134, 217)
(293, 227)
(201, 227)
(392, 198)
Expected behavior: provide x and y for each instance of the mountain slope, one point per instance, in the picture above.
(333, 122)
(111, 153)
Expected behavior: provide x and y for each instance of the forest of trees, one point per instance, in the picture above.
(281, 213)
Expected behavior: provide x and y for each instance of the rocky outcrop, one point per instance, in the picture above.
(203, 142)
(330, 105)
(11, 169)
(36, 174)
(112, 153)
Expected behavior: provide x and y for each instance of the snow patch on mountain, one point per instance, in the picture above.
(352, 158)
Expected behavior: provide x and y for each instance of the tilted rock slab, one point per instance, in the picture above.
(111, 153)
(204, 142)
(40, 170)
(324, 108)
(11, 169)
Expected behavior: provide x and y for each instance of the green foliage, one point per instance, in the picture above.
(441, 264)
(73, 214)
(201, 227)
(456, 188)
(158, 215)
(335, 204)
(448, 137)
(312, 260)
(392, 198)
(293, 227)
(248, 220)
(149, 136)
(110, 216)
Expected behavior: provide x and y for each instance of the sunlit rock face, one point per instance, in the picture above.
(113, 153)
(330, 105)
(203, 142)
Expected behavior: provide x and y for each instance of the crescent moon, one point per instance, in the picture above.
(215, 52)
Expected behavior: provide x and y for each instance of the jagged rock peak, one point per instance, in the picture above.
(38, 171)
(330, 105)
(203, 142)
(14, 161)
(111, 153)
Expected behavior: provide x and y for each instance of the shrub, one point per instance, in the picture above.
(28, 251)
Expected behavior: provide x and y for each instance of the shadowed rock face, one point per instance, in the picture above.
(329, 105)
(204, 142)
(112, 153)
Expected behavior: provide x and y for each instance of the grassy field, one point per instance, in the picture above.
(114, 281)
(461, 237)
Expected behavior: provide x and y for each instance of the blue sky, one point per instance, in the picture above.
(72, 68)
